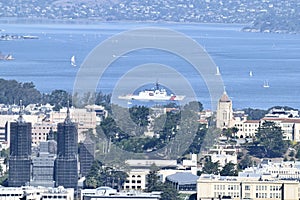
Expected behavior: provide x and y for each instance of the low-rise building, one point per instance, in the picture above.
(107, 193)
(211, 187)
(289, 170)
(183, 181)
(223, 154)
(29, 192)
(136, 179)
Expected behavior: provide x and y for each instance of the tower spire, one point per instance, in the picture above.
(20, 119)
(68, 118)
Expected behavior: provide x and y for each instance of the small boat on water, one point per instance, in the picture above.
(266, 84)
(6, 57)
(155, 94)
(73, 61)
(9, 57)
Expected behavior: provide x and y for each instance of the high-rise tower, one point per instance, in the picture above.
(66, 170)
(20, 152)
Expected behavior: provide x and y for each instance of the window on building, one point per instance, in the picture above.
(247, 187)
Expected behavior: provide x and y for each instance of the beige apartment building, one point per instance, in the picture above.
(211, 187)
(136, 179)
(85, 118)
(40, 131)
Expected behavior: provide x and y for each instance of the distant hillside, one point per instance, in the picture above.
(267, 16)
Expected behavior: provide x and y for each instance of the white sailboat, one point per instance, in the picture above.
(266, 84)
(218, 72)
(250, 73)
(73, 61)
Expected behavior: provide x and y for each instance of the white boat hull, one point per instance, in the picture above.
(152, 98)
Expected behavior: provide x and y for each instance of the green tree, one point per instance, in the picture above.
(211, 167)
(229, 132)
(153, 181)
(154, 184)
(197, 141)
(270, 137)
(139, 115)
(245, 162)
(11, 92)
(58, 98)
(168, 192)
(195, 106)
(104, 176)
(255, 114)
(229, 170)
(93, 179)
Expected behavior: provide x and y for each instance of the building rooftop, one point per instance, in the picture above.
(224, 98)
(183, 178)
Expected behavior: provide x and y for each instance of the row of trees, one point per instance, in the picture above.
(128, 132)
(11, 92)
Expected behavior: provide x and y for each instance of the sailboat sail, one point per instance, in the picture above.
(73, 61)
(250, 74)
(218, 71)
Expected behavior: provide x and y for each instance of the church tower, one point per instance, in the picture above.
(224, 112)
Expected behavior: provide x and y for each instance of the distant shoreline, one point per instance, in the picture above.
(95, 21)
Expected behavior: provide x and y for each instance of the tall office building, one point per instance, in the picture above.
(86, 155)
(66, 169)
(20, 152)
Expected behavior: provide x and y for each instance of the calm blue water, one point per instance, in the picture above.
(272, 57)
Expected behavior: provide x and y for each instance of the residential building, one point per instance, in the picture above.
(250, 128)
(66, 169)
